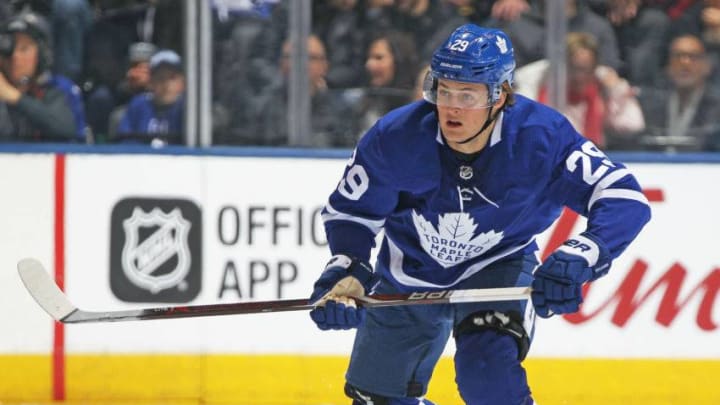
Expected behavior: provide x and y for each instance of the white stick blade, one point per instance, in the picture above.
(43, 289)
(490, 294)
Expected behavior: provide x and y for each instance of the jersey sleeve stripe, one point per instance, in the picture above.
(332, 214)
(619, 193)
(611, 178)
(606, 182)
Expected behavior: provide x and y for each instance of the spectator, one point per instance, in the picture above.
(247, 42)
(137, 81)
(600, 104)
(156, 117)
(508, 10)
(429, 22)
(137, 77)
(71, 20)
(642, 34)
(331, 117)
(339, 25)
(106, 105)
(391, 67)
(528, 32)
(6, 12)
(105, 64)
(352, 25)
(673, 8)
(682, 112)
(479, 11)
(702, 19)
(118, 25)
(156, 21)
(35, 105)
(377, 16)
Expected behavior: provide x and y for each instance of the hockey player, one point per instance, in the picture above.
(462, 182)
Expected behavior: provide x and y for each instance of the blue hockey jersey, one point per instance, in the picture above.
(446, 219)
(144, 118)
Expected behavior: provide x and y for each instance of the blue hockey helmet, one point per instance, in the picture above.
(472, 54)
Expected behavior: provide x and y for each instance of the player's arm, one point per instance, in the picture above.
(608, 194)
(354, 215)
(365, 195)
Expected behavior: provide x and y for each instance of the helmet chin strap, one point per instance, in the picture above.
(490, 118)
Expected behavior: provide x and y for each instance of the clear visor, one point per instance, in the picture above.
(452, 94)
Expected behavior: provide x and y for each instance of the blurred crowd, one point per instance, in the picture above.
(641, 74)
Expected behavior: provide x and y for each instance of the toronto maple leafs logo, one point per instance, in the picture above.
(454, 241)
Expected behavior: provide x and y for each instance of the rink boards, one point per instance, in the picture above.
(228, 228)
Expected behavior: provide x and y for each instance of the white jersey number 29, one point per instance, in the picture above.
(583, 158)
(355, 183)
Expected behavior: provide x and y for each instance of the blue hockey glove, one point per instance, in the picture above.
(343, 278)
(557, 287)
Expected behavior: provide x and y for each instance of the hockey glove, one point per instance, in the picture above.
(557, 287)
(343, 278)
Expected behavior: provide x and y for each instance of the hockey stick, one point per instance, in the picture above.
(49, 296)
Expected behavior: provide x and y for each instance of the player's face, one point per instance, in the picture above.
(462, 109)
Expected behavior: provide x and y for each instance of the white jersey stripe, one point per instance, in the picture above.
(334, 215)
(611, 178)
(619, 193)
(606, 182)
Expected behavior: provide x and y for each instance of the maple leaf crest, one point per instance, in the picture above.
(502, 44)
(454, 240)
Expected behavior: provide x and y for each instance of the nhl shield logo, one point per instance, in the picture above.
(465, 172)
(141, 259)
(156, 250)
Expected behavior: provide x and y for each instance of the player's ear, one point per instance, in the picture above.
(501, 101)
